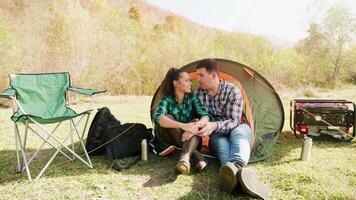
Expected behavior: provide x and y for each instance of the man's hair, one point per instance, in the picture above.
(173, 74)
(209, 64)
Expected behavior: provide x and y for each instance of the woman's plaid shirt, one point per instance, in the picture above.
(225, 107)
(189, 109)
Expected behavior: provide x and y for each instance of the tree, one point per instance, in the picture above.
(340, 29)
(328, 42)
(135, 14)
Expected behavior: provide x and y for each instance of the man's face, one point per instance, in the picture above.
(205, 78)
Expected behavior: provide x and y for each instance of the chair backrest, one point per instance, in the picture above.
(41, 94)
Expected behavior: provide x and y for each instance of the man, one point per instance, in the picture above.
(230, 138)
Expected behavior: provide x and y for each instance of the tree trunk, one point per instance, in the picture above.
(338, 60)
(336, 69)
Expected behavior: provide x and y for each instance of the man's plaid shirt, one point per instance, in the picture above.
(225, 107)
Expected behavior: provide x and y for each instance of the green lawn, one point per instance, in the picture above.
(331, 173)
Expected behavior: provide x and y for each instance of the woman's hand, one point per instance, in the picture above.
(189, 127)
(186, 136)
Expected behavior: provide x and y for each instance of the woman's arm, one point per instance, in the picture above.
(167, 122)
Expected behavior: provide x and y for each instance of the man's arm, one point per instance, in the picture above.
(199, 107)
(233, 112)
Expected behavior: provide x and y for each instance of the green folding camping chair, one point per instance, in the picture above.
(38, 101)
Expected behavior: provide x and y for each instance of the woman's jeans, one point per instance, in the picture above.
(234, 146)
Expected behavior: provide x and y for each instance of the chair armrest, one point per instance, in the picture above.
(85, 91)
(8, 93)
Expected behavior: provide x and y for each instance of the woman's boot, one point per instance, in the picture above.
(200, 161)
(183, 165)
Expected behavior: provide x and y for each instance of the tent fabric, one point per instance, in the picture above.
(263, 107)
(43, 97)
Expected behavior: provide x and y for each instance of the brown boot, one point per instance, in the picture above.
(252, 185)
(200, 161)
(228, 176)
(183, 165)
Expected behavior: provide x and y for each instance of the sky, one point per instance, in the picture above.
(283, 19)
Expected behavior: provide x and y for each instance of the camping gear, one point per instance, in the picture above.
(41, 99)
(144, 150)
(103, 120)
(107, 135)
(263, 107)
(323, 119)
(306, 149)
(125, 140)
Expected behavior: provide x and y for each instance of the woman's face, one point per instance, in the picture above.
(183, 84)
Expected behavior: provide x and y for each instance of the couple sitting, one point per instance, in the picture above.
(214, 110)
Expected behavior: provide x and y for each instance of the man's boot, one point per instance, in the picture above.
(200, 161)
(183, 165)
(252, 185)
(228, 176)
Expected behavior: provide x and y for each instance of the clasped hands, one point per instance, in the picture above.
(197, 128)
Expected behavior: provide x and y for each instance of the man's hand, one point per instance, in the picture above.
(209, 128)
(202, 122)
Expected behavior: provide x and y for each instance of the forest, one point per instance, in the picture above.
(126, 46)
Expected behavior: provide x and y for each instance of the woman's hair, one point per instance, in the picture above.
(173, 74)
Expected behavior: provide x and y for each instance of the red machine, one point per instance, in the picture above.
(324, 119)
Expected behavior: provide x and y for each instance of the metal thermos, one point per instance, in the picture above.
(306, 149)
(144, 150)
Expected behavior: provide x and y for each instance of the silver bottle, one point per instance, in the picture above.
(306, 149)
(144, 150)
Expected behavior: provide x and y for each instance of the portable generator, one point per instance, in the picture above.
(323, 119)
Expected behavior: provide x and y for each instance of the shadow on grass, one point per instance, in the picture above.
(288, 143)
(60, 167)
(160, 171)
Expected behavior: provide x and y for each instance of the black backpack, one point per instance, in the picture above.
(102, 122)
(107, 134)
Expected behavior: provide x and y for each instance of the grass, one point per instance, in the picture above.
(330, 174)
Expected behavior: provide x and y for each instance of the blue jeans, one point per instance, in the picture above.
(234, 146)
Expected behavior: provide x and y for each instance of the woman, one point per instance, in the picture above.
(177, 115)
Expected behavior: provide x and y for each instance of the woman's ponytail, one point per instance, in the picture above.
(168, 86)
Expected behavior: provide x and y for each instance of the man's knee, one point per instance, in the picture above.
(219, 144)
(243, 131)
(214, 140)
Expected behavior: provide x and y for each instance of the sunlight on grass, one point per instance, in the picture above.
(330, 174)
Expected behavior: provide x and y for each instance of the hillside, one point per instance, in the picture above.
(127, 46)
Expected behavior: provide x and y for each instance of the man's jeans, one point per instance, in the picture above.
(234, 146)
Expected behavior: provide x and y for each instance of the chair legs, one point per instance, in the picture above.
(18, 169)
(22, 161)
(81, 140)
